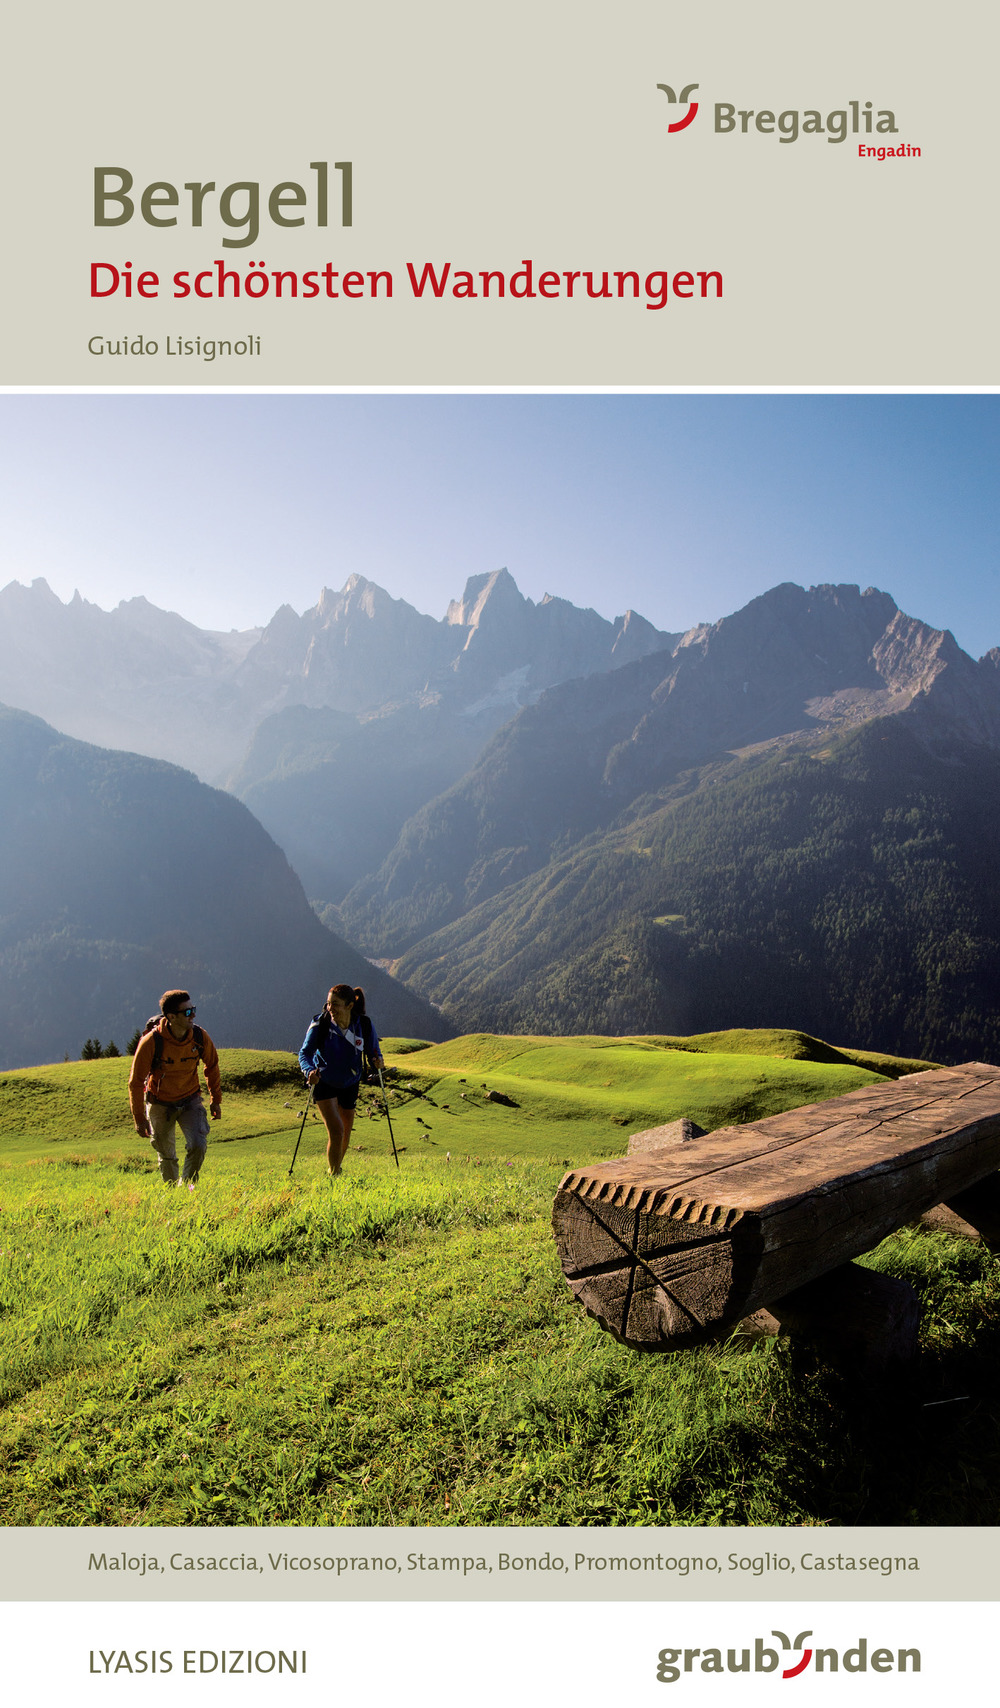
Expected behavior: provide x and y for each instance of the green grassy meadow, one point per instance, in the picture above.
(398, 1346)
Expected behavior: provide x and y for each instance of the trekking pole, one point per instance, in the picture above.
(385, 1102)
(302, 1129)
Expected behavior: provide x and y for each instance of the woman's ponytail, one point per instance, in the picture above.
(352, 994)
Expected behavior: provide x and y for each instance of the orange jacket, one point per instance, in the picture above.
(177, 1075)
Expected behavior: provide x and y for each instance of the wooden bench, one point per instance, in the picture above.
(685, 1238)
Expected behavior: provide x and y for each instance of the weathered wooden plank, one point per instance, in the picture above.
(666, 1248)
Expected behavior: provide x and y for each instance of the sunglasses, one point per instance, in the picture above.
(188, 1013)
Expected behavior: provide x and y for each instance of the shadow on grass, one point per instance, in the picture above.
(920, 1446)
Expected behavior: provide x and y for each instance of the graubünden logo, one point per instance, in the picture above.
(790, 1661)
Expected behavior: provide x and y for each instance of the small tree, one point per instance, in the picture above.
(91, 1050)
(133, 1043)
(112, 1049)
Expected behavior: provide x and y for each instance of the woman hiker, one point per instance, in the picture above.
(331, 1059)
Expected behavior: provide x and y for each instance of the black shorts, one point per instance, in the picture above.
(346, 1095)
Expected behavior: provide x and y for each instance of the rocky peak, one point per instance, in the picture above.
(285, 625)
(909, 654)
(39, 592)
(797, 662)
(634, 637)
(487, 599)
(357, 597)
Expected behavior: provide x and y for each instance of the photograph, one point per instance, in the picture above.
(638, 752)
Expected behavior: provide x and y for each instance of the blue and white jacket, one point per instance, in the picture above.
(337, 1054)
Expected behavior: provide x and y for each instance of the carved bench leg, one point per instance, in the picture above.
(852, 1315)
(973, 1214)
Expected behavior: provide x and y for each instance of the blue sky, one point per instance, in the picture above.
(682, 507)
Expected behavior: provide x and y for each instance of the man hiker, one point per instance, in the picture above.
(164, 1089)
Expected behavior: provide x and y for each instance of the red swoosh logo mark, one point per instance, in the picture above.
(683, 123)
(794, 1671)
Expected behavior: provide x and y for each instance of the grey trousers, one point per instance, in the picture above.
(190, 1116)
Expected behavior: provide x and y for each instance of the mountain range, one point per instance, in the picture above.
(542, 820)
(146, 679)
(790, 817)
(792, 667)
(362, 699)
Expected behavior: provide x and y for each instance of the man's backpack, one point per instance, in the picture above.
(153, 1024)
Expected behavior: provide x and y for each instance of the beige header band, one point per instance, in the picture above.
(665, 195)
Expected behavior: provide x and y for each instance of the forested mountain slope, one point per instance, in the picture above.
(790, 819)
(851, 894)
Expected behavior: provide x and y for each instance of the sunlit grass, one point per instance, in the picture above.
(399, 1345)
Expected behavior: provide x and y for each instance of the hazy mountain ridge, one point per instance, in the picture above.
(137, 677)
(122, 875)
(148, 680)
(336, 789)
(335, 792)
(336, 757)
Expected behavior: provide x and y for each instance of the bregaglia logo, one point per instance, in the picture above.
(855, 117)
(685, 95)
(790, 1661)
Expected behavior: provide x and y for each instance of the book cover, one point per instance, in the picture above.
(621, 301)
